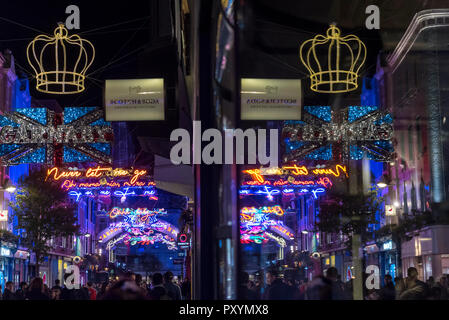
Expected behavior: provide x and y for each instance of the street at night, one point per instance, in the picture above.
(236, 150)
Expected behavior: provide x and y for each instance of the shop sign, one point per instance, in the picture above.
(178, 261)
(5, 252)
(21, 254)
(183, 241)
(390, 210)
(134, 100)
(271, 99)
(4, 215)
(387, 245)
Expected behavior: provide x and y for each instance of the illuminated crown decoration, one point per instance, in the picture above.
(345, 56)
(60, 62)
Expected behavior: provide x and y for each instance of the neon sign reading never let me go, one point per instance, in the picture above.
(56, 173)
(295, 170)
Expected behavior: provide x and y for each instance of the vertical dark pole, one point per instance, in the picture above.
(237, 90)
(206, 184)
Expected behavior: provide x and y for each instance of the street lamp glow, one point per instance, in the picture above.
(10, 189)
(396, 204)
(87, 235)
(381, 184)
(305, 231)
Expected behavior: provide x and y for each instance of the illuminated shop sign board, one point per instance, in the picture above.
(3, 215)
(271, 99)
(354, 133)
(6, 252)
(33, 135)
(183, 240)
(390, 210)
(134, 100)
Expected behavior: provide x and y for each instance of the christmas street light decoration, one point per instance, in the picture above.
(351, 134)
(30, 135)
(345, 57)
(60, 62)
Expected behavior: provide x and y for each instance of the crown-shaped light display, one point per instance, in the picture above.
(60, 62)
(339, 72)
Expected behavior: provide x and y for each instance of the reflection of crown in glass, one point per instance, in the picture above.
(345, 57)
(60, 62)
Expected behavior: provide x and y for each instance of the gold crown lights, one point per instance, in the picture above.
(340, 71)
(60, 62)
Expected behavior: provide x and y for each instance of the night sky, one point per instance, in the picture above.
(111, 43)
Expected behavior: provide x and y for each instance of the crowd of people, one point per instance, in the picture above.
(330, 287)
(129, 286)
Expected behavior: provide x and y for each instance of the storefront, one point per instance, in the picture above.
(388, 260)
(6, 265)
(428, 252)
(20, 266)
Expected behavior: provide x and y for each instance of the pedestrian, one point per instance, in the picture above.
(302, 289)
(414, 289)
(102, 291)
(21, 292)
(92, 291)
(245, 292)
(158, 291)
(320, 288)
(443, 285)
(173, 290)
(277, 289)
(185, 289)
(142, 285)
(337, 286)
(293, 290)
(8, 294)
(431, 282)
(57, 289)
(388, 292)
(435, 293)
(36, 290)
(125, 289)
(259, 287)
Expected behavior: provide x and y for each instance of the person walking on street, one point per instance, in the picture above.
(443, 285)
(21, 292)
(173, 290)
(388, 292)
(337, 286)
(277, 289)
(92, 291)
(245, 291)
(185, 289)
(158, 291)
(8, 294)
(414, 289)
(36, 291)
